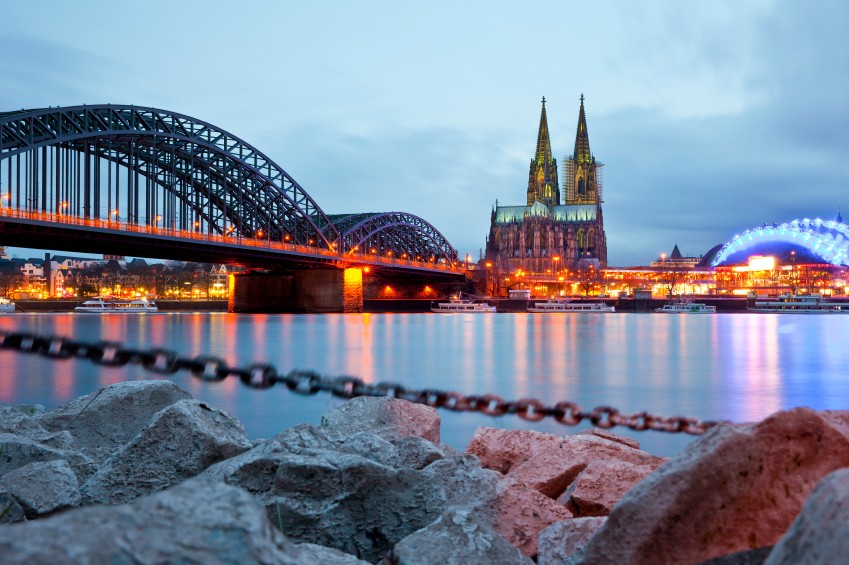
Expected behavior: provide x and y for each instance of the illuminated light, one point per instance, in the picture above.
(759, 263)
(366, 269)
(488, 264)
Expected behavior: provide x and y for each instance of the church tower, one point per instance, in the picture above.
(542, 179)
(583, 173)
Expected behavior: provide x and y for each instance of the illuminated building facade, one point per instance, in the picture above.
(549, 232)
(803, 256)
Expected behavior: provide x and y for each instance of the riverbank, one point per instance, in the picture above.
(141, 471)
(412, 305)
(68, 305)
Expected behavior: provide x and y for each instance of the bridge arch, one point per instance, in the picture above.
(180, 172)
(151, 167)
(394, 234)
(825, 241)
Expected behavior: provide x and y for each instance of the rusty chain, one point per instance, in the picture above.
(263, 376)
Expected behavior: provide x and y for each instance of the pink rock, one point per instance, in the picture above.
(607, 434)
(820, 533)
(734, 489)
(559, 541)
(601, 484)
(521, 513)
(549, 463)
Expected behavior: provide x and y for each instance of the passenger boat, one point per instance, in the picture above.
(569, 307)
(798, 304)
(460, 305)
(102, 306)
(684, 307)
(6, 306)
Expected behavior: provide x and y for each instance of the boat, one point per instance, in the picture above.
(6, 306)
(798, 304)
(568, 306)
(457, 304)
(101, 305)
(686, 307)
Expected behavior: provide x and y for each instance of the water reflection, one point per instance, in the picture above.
(739, 367)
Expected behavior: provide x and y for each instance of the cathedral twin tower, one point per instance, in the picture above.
(546, 235)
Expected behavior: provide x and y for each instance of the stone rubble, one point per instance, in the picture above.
(140, 472)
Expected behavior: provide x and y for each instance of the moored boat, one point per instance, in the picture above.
(6, 305)
(100, 305)
(685, 307)
(567, 306)
(797, 304)
(457, 304)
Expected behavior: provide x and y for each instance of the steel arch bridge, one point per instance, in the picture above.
(151, 171)
(825, 239)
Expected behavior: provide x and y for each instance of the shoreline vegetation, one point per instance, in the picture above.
(140, 471)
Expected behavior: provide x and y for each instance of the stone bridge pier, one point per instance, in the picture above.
(309, 290)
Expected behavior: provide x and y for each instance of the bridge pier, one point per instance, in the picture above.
(311, 290)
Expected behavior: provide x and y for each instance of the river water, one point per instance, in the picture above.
(738, 367)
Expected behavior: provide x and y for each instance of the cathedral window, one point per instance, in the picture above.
(581, 186)
(580, 240)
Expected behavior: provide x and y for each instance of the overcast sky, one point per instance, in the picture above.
(710, 117)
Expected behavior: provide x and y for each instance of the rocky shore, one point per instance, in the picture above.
(139, 472)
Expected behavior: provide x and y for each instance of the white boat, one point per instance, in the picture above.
(798, 304)
(459, 305)
(685, 307)
(102, 306)
(6, 306)
(569, 306)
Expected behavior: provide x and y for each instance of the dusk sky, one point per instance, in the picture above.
(710, 117)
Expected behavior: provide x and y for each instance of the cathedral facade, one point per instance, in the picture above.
(557, 227)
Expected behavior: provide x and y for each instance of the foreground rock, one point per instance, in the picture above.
(736, 488)
(109, 418)
(549, 478)
(195, 522)
(457, 538)
(348, 495)
(561, 540)
(820, 534)
(181, 441)
(42, 488)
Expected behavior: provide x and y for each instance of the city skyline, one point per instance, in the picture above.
(710, 118)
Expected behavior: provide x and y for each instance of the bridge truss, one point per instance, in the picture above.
(146, 168)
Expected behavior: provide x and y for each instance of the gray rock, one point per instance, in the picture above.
(114, 415)
(10, 510)
(388, 417)
(195, 522)
(457, 537)
(328, 555)
(18, 421)
(17, 451)
(413, 452)
(182, 440)
(820, 533)
(352, 503)
(42, 488)
(563, 539)
(59, 440)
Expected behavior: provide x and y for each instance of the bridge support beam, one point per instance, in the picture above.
(314, 290)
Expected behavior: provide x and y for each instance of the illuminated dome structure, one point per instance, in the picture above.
(806, 241)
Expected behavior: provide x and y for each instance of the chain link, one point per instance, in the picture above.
(264, 376)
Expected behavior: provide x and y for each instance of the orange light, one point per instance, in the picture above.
(366, 269)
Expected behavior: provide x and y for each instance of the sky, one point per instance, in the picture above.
(711, 117)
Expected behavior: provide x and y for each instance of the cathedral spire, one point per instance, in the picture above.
(542, 178)
(543, 152)
(582, 139)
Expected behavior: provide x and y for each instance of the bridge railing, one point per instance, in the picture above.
(100, 224)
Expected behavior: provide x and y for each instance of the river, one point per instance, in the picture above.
(738, 367)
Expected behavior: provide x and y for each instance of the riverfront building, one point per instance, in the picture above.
(557, 228)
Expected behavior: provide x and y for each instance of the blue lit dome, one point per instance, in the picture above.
(806, 241)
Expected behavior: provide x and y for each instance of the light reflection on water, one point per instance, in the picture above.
(740, 367)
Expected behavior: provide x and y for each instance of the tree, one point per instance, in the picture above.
(587, 277)
(671, 275)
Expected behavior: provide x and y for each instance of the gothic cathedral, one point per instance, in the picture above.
(545, 234)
